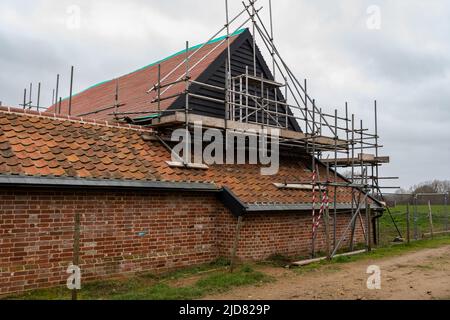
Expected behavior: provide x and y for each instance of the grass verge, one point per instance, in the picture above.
(379, 253)
(441, 221)
(209, 279)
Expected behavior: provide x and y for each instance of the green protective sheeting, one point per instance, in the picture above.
(160, 61)
(153, 116)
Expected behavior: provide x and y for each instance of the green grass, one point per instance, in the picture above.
(380, 253)
(277, 260)
(213, 278)
(441, 220)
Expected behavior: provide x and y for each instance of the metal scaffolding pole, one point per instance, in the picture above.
(227, 70)
(57, 92)
(243, 100)
(159, 92)
(59, 105)
(203, 45)
(24, 99)
(30, 101)
(327, 216)
(71, 88)
(272, 39)
(352, 222)
(314, 185)
(186, 109)
(38, 104)
(254, 36)
(336, 138)
(377, 169)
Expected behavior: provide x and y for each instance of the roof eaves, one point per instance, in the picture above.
(232, 202)
(68, 182)
(261, 208)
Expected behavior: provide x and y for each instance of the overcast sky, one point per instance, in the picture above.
(348, 51)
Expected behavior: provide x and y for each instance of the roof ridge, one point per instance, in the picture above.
(236, 33)
(54, 116)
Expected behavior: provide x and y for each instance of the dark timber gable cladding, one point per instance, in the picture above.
(97, 102)
(241, 58)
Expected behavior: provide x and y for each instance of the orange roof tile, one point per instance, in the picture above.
(133, 87)
(69, 147)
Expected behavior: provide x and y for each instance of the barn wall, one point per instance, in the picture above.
(121, 232)
(288, 234)
(127, 232)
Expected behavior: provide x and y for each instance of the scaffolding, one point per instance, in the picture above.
(251, 101)
(280, 101)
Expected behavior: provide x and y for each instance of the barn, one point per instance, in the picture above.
(94, 175)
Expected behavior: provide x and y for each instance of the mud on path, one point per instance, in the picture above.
(419, 275)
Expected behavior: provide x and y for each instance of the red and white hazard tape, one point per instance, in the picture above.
(314, 178)
(324, 205)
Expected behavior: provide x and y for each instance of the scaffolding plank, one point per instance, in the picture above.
(357, 161)
(179, 118)
(310, 261)
(294, 186)
(257, 81)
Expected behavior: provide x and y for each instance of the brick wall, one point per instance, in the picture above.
(127, 232)
(288, 234)
(120, 233)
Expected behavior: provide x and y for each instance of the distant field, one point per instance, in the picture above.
(441, 221)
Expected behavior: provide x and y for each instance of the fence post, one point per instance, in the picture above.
(76, 249)
(408, 219)
(446, 212)
(416, 218)
(431, 220)
(236, 243)
(368, 217)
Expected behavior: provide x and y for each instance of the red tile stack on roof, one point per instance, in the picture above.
(42, 144)
(50, 145)
(133, 87)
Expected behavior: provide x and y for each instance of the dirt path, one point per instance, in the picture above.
(419, 275)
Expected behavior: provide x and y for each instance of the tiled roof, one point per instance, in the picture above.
(42, 144)
(133, 87)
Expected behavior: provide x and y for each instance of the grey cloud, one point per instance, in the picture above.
(405, 65)
(386, 57)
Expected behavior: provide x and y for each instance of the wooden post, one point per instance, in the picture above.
(368, 222)
(236, 243)
(76, 249)
(416, 217)
(327, 216)
(446, 212)
(327, 231)
(431, 220)
(408, 221)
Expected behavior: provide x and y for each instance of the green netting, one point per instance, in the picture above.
(153, 116)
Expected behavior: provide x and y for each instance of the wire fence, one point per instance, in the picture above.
(416, 216)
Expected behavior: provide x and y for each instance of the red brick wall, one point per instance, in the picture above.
(127, 232)
(36, 234)
(288, 234)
